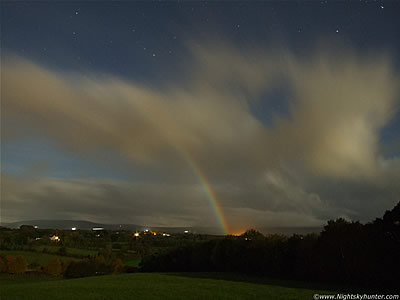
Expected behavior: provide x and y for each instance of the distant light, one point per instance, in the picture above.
(55, 238)
(382, 7)
(337, 30)
(35, 227)
(73, 228)
(136, 234)
(146, 230)
(38, 239)
(186, 231)
(97, 228)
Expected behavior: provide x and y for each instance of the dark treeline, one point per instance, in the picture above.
(344, 252)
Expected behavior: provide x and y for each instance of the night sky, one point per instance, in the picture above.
(221, 114)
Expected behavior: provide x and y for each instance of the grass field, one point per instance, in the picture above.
(35, 258)
(132, 262)
(70, 251)
(143, 286)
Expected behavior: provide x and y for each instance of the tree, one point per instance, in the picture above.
(53, 267)
(106, 252)
(81, 268)
(117, 266)
(252, 234)
(65, 264)
(16, 265)
(3, 266)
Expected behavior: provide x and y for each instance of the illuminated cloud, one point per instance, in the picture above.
(338, 104)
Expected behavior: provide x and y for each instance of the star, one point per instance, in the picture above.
(382, 7)
(154, 54)
(77, 12)
(337, 30)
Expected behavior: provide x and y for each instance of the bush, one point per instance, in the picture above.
(16, 265)
(130, 269)
(93, 267)
(81, 268)
(65, 265)
(117, 266)
(3, 266)
(53, 267)
(62, 251)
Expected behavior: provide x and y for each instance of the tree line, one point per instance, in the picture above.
(103, 263)
(344, 252)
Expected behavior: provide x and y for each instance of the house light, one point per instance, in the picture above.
(73, 228)
(136, 234)
(55, 238)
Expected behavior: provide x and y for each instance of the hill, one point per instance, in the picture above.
(87, 225)
(68, 224)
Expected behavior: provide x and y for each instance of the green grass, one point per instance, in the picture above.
(146, 286)
(34, 258)
(18, 279)
(132, 262)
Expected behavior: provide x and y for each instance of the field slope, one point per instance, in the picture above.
(146, 286)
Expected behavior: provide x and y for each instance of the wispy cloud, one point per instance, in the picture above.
(339, 103)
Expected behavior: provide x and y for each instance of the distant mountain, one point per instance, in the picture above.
(68, 224)
(86, 225)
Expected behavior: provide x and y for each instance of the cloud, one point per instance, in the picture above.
(339, 102)
(108, 200)
(154, 204)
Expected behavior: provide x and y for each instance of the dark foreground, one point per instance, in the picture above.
(147, 286)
